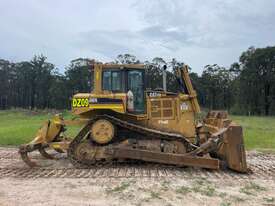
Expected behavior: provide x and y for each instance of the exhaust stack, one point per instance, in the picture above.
(164, 78)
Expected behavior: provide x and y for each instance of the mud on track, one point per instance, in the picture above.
(261, 165)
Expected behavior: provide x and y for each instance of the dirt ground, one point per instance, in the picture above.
(61, 184)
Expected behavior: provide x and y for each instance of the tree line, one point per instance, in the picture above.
(247, 87)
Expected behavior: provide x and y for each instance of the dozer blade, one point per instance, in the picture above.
(227, 138)
(232, 149)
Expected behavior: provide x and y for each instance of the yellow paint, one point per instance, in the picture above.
(117, 107)
(56, 146)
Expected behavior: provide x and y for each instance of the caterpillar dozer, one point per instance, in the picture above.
(122, 120)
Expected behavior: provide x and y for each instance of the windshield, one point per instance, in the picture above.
(112, 80)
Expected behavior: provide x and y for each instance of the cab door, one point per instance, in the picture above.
(136, 85)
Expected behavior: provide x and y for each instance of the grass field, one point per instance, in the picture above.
(259, 132)
(18, 127)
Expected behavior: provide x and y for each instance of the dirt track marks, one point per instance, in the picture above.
(262, 166)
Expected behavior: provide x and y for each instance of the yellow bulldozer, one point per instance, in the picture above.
(122, 121)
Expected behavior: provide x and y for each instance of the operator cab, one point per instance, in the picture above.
(129, 80)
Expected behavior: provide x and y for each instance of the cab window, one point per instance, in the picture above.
(136, 85)
(112, 80)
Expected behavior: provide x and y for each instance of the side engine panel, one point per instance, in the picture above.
(171, 113)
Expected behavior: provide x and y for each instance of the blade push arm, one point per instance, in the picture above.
(187, 87)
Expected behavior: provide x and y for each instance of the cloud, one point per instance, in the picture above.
(206, 30)
(196, 32)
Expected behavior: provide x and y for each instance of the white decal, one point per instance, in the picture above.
(93, 100)
(183, 106)
(163, 121)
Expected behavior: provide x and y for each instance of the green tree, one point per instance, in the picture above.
(126, 59)
(79, 76)
(257, 80)
(216, 82)
(6, 83)
(40, 77)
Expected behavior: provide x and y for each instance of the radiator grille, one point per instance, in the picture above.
(162, 108)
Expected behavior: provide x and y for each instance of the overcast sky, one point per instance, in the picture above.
(197, 32)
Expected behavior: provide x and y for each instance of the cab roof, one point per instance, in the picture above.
(122, 66)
